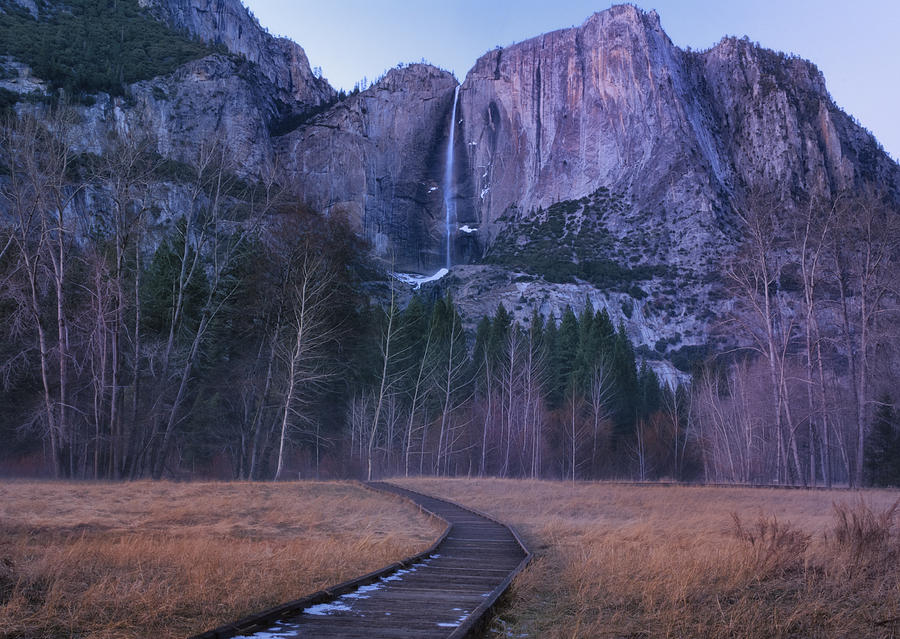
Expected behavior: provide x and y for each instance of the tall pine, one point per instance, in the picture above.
(882, 458)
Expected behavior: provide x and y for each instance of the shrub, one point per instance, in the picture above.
(689, 355)
(8, 99)
(568, 241)
(863, 532)
(774, 547)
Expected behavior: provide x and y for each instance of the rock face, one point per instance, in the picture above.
(217, 99)
(779, 130)
(599, 162)
(613, 103)
(229, 23)
(680, 137)
(235, 98)
(556, 116)
(378, 158)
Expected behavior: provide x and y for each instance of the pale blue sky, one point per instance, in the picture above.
(856, 44)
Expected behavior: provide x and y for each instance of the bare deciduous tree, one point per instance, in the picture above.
(389, 354)
(217, 226)
(309, 330)
(754, 277)
(38, 199)
(864, 263)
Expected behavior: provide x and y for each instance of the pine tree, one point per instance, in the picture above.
(588, 344)
(536, 328)
(566, 353)
(414, 321)
(605, 335)
(882, 458)
(158, 301)
(625, 372)
(479, 350)
(551, 346)
(650, 397)
(499, 331)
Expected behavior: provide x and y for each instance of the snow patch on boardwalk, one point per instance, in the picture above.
(280, 630)
(288, 630)
(458, 622)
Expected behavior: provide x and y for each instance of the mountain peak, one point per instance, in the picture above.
(629, 13)
(230, 23)
(401, 77)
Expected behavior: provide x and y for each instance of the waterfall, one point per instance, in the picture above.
(449, 194)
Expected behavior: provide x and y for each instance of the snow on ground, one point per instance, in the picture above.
(416, 281)
(465, 228)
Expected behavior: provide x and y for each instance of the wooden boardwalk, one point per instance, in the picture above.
(445, 592)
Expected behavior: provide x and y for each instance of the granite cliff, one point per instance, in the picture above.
(227, 22)
(684, 136)
(681, 136)
(377, 157)
(599, 162)
(246, 86)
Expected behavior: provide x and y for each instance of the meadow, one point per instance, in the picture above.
(165, 560)
(662, 561)
(109, 561)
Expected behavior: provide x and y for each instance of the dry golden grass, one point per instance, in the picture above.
(167, 560)
(656, 561)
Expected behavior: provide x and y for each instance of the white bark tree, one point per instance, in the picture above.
(754, 277)
(865, 263)
(308, 330)
(218, 225)
(38, 197)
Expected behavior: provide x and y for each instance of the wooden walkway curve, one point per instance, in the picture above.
(445, 592)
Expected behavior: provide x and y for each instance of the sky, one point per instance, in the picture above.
(856, 44)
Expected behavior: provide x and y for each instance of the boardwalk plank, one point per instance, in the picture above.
(441, 596)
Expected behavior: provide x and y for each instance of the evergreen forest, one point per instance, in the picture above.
(88, 46)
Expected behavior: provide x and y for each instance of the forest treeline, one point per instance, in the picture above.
(89, 46)
(190, 323)
(561, 397)
(816, 309)
(158, 324)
